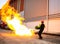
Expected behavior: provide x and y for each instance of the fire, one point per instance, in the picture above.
(14, 21)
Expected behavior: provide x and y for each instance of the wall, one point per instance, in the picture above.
(36, 23)
(52, 24)
(33, 11)
(35, 8)
(54, 6)
(54, 13)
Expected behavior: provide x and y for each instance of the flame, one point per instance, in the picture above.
(14, 21)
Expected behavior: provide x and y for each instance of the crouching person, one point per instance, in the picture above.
(41, 28)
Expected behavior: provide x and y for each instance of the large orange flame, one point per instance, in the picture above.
(14, 21)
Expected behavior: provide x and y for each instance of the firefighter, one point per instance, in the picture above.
(42, 26)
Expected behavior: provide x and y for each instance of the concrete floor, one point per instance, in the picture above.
(7, 37)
